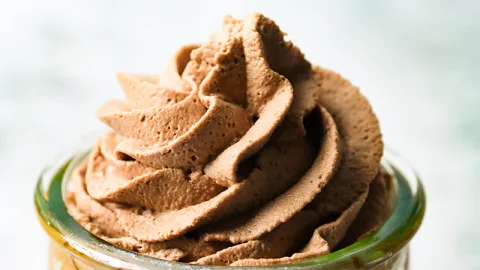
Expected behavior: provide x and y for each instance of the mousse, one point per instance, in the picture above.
(240, 153)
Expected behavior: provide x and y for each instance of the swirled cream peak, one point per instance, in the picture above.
(240, 153)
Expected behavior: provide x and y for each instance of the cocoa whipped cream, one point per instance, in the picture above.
(240, 153)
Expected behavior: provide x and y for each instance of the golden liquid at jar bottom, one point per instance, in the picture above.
(61, 259)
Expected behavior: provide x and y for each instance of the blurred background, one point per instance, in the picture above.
(418, 62)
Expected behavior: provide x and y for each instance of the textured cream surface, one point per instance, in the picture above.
(240, 153)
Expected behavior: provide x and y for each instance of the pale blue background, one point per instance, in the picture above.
(417, 61)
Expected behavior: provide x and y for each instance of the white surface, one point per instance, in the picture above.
(417, 62)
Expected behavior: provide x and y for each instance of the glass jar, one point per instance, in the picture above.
(73, 247)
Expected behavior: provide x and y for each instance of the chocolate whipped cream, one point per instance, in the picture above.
(240, 153)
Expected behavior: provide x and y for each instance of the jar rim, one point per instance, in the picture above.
(402, 224)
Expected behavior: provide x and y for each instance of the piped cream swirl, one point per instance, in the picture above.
(240, 153)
